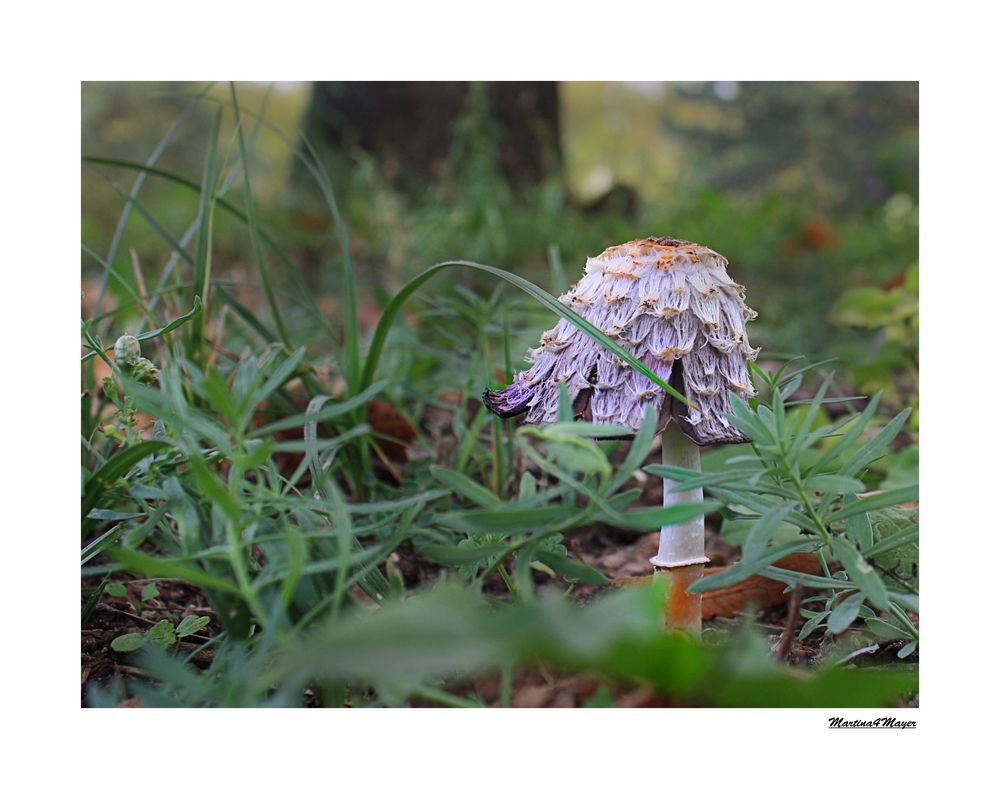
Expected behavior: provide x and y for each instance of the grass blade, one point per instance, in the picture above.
(255, 242)
(393, 307)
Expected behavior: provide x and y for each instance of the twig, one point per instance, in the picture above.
(788, 635)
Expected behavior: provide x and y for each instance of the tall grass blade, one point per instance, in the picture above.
(393, 307)
(206, 212)
(255, 240)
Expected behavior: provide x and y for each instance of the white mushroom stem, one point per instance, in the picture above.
(682, 546)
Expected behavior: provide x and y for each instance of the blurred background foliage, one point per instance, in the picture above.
(810, 189)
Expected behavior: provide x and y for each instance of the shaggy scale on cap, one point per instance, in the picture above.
(673, 305)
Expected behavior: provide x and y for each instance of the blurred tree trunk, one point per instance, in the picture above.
(409, 126)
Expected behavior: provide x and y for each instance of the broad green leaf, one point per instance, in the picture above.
(128, 642)
(116, 590)
(845, 613)
(162, 633)
(149, 591)
(906, 650)
(190, 625)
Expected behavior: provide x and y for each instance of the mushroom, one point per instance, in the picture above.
(673, 305)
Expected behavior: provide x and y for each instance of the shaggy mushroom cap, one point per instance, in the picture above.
(673, 305)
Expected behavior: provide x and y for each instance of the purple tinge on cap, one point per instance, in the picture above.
(673, 305)
(514, 400)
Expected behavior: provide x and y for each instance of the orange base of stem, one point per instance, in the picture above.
(683, 608)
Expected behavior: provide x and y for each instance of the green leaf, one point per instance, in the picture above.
(190, 625)
(149, 591)
(111, 515)
(762, 531)
(162, 633)
(743, 570)
(579, 456)
(149, 335)
(884, 630)
(572, 570)
(395, 304)
(171, 568)
(128, 642)
(846, 440)
(877, 501)
(508, 521)
(255, 234)
(116, 590)
(323, 414)
(906, 650)
(527, 486)
(832, 483)
(860, 572)
(297, 554)
(583, 429)
(845, 613)
(458, 555)
(654, 518)
(565, 406)
(858, 526)
(639, 450)
(812, 623)
(462, 486)
(113, 469)
(871, 450)
(212, 488)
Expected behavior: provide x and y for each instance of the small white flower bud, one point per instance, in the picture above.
(127, 351)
